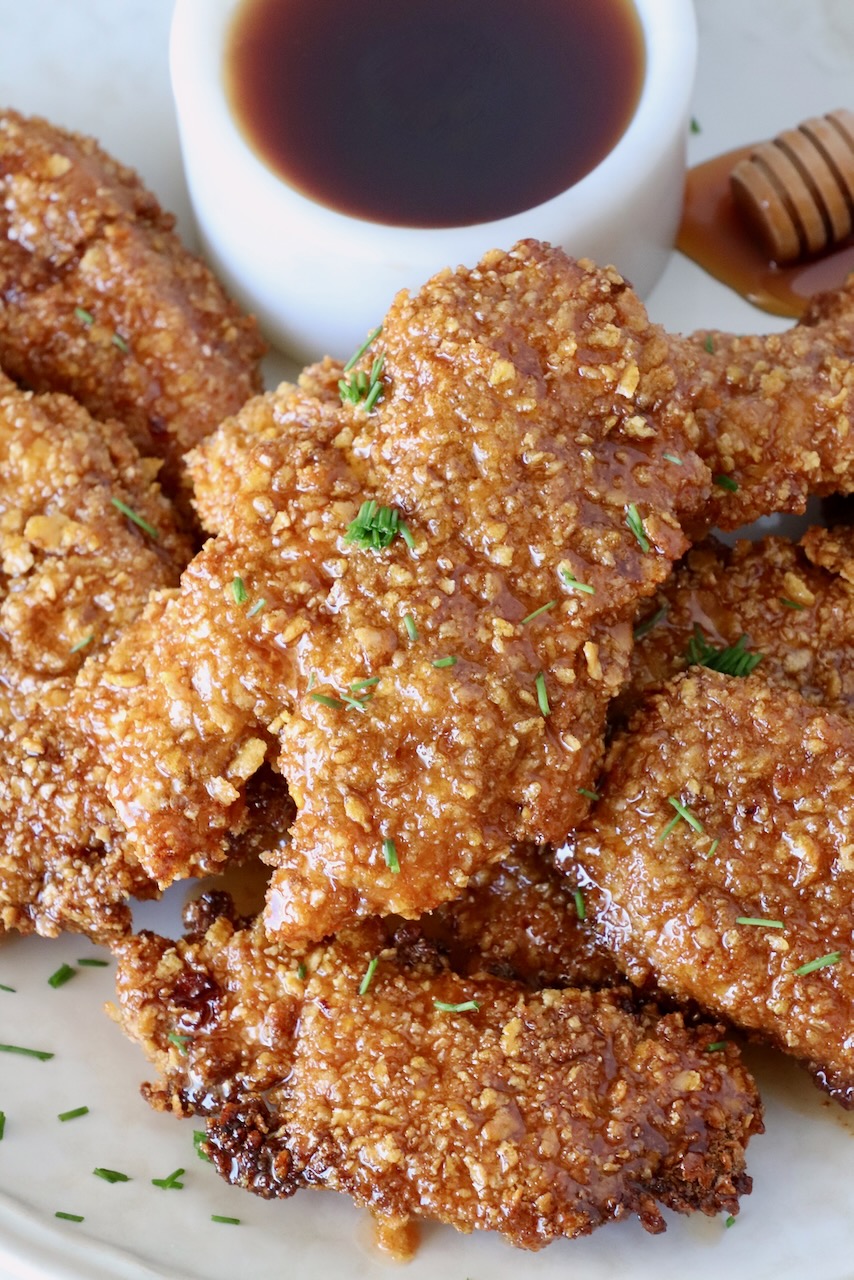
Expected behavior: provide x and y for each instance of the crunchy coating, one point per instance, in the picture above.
(539, 1115)
(520, 919)
(768, 777)
(792, 601)
(98, 298)
(508, 436)
(74, 571)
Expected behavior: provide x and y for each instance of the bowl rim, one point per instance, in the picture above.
(198, 37)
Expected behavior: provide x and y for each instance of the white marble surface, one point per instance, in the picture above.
(100, 66)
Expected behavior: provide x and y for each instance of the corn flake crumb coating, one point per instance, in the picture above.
(74, 571)
(507, 438)
(99, 299)
(767, 776)
(536, 1114)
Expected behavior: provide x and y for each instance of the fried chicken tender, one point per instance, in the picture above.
(98, 298)
(792, 602)
(745, 904)
(508, 438)
(75, 569)
(424, 1094)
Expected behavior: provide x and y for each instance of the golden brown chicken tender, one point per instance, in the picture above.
(424, 1094)
(98, 298)
(720, 861)
(434, 700)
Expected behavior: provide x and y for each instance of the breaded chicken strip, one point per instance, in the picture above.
(720, 861)
(85, 535)
(423, 1094)
(99, 298)
(790, 603)
(440, 698)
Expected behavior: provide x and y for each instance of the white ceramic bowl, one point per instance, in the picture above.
(319, 280)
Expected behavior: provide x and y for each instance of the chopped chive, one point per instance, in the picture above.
(238, 591)
(648, 624)
(301, 971)
(734, 660)
(2, 1124)
(542, 695)
(695, 125)
(312, 679)
(672, 457)
(572, 582)
(709, 344)
(580, 909)
(730, 1222)
(635, 523)
(405, 533)
(376, 527)
(711, 849)
(390, 855)
(374, 393)
(357, 355)
(358, 704)
(84, 316)
(444, 662)
(411, 629)
(110, 1175)
(3, 987)
(832, 957)
(726, 482)
(72, 1115)
(63, 974)
(26, 1053)
(363, 684)
(118, 341)
(334, 704)
(257, 607)
(684, 812)
(467, 1006)
(591, 795)
(791, 604)
(364, 985)
(69, 1217)
(218, 1217)
(172, 1182)
(544, 608)
(180, 1042)
(716, 1047)
(81, 644)
(92, 962)
(199, 1140)
(136, 519)
(760, 922)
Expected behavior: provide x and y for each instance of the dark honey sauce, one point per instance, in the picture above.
(715, 236)
(434, 113)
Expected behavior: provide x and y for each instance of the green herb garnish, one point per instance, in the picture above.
(364, 985)
(444, 662)
(81, 644)
(2, 1124)
(791, 604)
(591, 795)
(390, 855)
(3, 987)
(357, 355)
(726, 482)
(218, 1217)
(716, 1047)
(684, 813)
(63, 974)
(734, 660)
(111, 1175)
(709, 344)
(136, 519)
(69, 1217)
(363, 388)
(376, 527)
(823, 962)
(411, 629)
(730, 1222)
(72, 1115)
(91, 962)
(238, 590)
(118, 341)
(334, 704)
(84, 316)
(180, 1042)
(580, 909)
(199, 1140)
(171, 1183)
(301, 971)
(635, 523)
(574, 585)
(257, 607)
(26, 1053)
(364, 684)
(544, 608)
(542, 695)
(644, 628)
(695, 125)
(672, 457)
(760, 922)
(467, 1006)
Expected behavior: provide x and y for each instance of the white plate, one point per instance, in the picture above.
(100, 66)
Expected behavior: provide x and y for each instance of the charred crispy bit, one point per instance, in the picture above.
(85, 534)
(437, 699)
(522, 919)
(98, 298)
(421, 1093)
(775, 412)
(790, 603)
(720, 861)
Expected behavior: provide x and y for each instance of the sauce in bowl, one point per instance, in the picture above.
(434, 113)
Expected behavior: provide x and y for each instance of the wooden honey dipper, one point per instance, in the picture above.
(797, 191)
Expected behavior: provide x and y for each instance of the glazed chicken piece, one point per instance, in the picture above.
(435, 700)
(420, 1093)
(85, 535)
(719, 861)
(98, 298)
(791, 603)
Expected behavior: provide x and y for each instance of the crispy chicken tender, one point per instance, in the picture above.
(539, 1115)
(98, 298)
(74, 570)
(508, 437)
(793, 603)
(750, 913)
